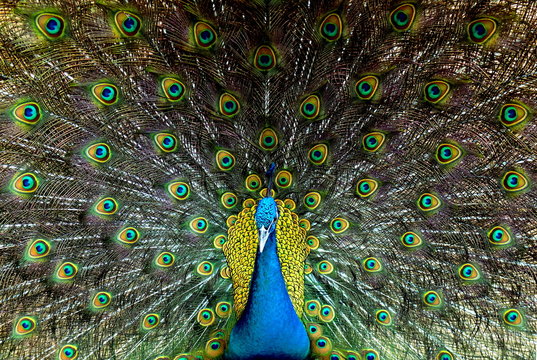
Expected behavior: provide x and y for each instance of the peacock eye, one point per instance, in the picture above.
(402, 17)
(27, 113)
(165, 142)
(513, 114)
(432, 299)
(514, 181)
(52, 26)
(204, 34)
(223, 309)
(318, 154)
(173, 89)
(469, 272)
(150, 321)
(513, 317)
(268, 140)
(66, 271)
(228, 200)
(225, 160)
(284, 179)
(313, 242)
(253, 182)
(331, 27)
(372, 264)
(199, 225)
(38, 249)
(127, 23)
(372, 142)
(411, 240)
(312, 307)
(26, 183)
(314, 330)
(325, 267)
(436, 91)
(444, 355)
(370, 354)
(327, 313)
(165, 259)
(214, 348)
(219, 241)
(447, 153)
(265, 58)
(366, 87)
(322, 346)
(206, 317)
(228, 105)
(179, 190)
(101, 300)
(68, 352)
(366, 187)
(481, 30)
(339, 225)
(99, 153)
(25, 325)
(499, 236)
(383, 317)
(106, 206)
(310, 107)
(205, 268)
(128, 236)
(105, 93)
(428, 202)
(312, 200)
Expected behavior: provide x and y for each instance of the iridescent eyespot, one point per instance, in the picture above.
(436, 90)
(128, 235)
(373, 141)
(313, 242)
(38, 249)
(513, 114)
(327, 313)
(204, 34)
(370, 354)
(150, 321)
(513, 317)
(312, 200)
(331, 27)
(99, 153)
(322, 346)
(312, 308)
(179, 190)
(68, 352)
(268, 140)
(366, 187)
(402, 17)
(50, 25)
(165, 259)
(314, 330)
(444, 355)
(372, 264)
(106, 206)
(165, 142)
(205, 268)
(206, 317)
(228, 200)
(284, 179)
(428, 202)
(447, 153)
(318, 154)
(127, 23)
(310, 107)
(305, 224)
(265, 58)
(223, 309)
(383, 317)
(225, 160)
(27, 113)
(25, 325)
(219, 241)
(105, 93)
(432, 298)
(26, 183)
(308, 269)
(101, 300)
(289, 204)
(214, 348)
(499, 236)
(469, 272)
(514, 181)
(336, 355)
(481, 30)
(366, 87)
(173, 89)
(231, 220)
(228, 105)
(411, 240)
(253, 182)
(339, 225)
(199, 225)
(66, 271)
(352, 355)
(325, 267)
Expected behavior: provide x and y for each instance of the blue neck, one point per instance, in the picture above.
(269, 327)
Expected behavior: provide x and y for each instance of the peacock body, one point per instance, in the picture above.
(268, 179)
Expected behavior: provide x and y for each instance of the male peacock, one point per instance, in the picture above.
(268, 179)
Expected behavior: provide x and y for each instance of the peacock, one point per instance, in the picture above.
(268, 179)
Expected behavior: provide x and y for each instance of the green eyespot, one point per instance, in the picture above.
(38, 249)
(513, 317)
(428, 202)
(66, 271)
(165, 259)
(411, 240)
(68, 352)
(173, 89)
(206, 317)
(366, 87)
(444, 355)
(284, 179)
(165, 142)
(27, 113)
(513, 114)
(432, 299)
(127, 23)
(513, 181)
(228, 105)
(339, 225)
(253, 182)
(101, 300)
(128, 236)
(373, 141)
(499, 236)
(436, 91)
(372, 265)
(383, 317)
(99, 153)
(228, 200)
(312, 200)
(150, 321)
(402, 17)
(199, 225)
(310, 107)
(25, 184)
(265, 58)
(469, 272)
(204, 34)
(107, 206)
(52, 26)
(179, 190)
(366, 187)
(325, 267)
(448, 153)
(268, 140)
(24, 326)
(331, 27)
(318, 154)
(105, 93)
(481, 30)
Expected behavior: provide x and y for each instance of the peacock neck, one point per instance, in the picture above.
(269, 327)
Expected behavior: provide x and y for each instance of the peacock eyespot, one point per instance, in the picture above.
(366, 187)
(327, 313)
(325, 267)
(228, 200)
(514, 181)
(25, 325)
(225, 160)
(366, 87)
(173, 89)
(372, 265)
(322, 346)
(352, 355)
(313, 242)
(331, 27)
(228, 105)
(383, 317)
(52, 26)
(105, 93)
(284, 179)
(26, 183)
(38, 249)
(305, 224)
(67, 271)
(165, 259)
(68, 352)
(428, 202)
(127, 23)
(27, 113)
(310, 107)
(499, 236)
(402, 17)
(128, 236)
(179, 190)
(481, 30)
(150, 321)
(312, 307)
(469, 272)
(268, 140)
(318, 154)
(372, 142)
(165, 142)
(253, 182)
(265, 58)
(214, 348)
(436, 91)
(513, 114)
(513, 317)
(223, 309)
(206, 317)
(205, 268)
(369, 354)
(448, 153)
(99, 153)
(411, 240)
(432, 298)
(339, 225)
(308, 269)
(314, 331)
(107, 206)
(444, 355)
(204, 34)
(312, 200)
(219, 241)
(199, 225)
(101, 300)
